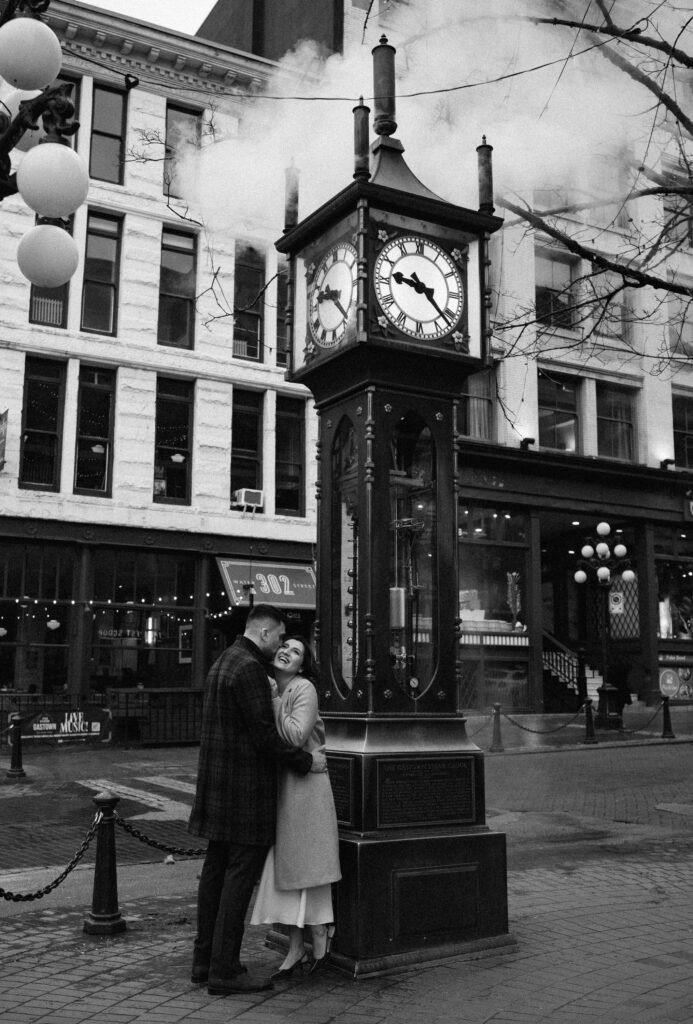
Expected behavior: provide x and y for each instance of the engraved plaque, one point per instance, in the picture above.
(341, 777)
(425, 791)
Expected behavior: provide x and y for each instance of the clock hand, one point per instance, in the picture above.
(419, 287)
(333, 295)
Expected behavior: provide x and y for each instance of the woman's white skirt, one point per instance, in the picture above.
(290, 906)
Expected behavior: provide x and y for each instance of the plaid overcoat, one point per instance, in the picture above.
(240, 750)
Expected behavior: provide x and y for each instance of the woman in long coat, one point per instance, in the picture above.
(296, 884)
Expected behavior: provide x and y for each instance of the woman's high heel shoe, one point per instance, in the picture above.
(317, 963)
(300, 965)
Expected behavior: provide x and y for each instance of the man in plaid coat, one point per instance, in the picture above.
(235, 800)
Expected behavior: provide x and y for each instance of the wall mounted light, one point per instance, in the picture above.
(665, 463)
(526, 442)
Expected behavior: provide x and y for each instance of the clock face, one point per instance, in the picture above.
(332, 296)
(419, 287)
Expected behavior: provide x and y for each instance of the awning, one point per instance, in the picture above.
(278, 583)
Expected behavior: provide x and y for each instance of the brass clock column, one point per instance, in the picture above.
(388, 302)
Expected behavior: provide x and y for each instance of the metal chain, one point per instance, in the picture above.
(154, 842)
(483, 725)
(542, 732)
(18, 897)
(649, 722)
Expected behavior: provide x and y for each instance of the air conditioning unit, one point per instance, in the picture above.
(249, 498)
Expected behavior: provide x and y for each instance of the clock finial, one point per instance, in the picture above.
(290, 197)
(361, 150)
(485, 177)
(384, 87)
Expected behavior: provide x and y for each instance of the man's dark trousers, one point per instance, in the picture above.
(228, 876)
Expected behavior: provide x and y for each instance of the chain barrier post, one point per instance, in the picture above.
(590, 735)
(15, 771)
(104, 917)
(667, 731)
(496, 741)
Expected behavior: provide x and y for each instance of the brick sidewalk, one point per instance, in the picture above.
(601, 944)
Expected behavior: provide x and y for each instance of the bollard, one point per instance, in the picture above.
(104, 917)
(590, 736)
(667, 731)
(496, 741)
(15, 771)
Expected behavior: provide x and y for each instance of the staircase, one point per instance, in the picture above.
(565, 682)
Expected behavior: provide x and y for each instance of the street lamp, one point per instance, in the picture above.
(52, 179)
(600, 560)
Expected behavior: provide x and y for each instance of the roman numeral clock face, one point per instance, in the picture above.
(419, 287)
(332, 295)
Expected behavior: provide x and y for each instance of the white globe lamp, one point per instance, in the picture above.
(628, 576)
(30, 54)
(603, 574)
(47, 256)
(603, 529)
(620, 551)
(53, 180)
(580, 576)
(587, 551)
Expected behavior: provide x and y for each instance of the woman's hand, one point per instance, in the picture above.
(274, 689)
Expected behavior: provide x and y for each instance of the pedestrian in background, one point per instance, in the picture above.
(236, 797)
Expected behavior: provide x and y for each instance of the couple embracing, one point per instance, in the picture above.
(264, 802)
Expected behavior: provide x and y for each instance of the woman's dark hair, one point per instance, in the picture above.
(310, 666)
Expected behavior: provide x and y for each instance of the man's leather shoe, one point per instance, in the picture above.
(240, 983)
(199, 975)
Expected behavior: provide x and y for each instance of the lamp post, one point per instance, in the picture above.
(600, 560)
(52, 179)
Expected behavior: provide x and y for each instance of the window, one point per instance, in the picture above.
(680, 317)
(177, 290)
(290, 456)
(42, 419)
(183, 129)
(554, 291)
(107, 135)
(249, 282)
(609, 311)
(475, 411)
(93, 457)
(683, 430)
(246, 441)
(615, 422)
(558, 412)
(101, 270)
(48, 306)
(173, 441)
(283, 354)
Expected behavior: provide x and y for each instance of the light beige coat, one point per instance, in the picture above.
(306, 848)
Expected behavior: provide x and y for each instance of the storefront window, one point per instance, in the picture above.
(492, 553)
(34, 646)
(675, 597)
(145, 647)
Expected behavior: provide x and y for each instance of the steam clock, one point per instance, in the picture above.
(388, 302)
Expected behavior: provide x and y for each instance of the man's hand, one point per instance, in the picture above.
(319, 761)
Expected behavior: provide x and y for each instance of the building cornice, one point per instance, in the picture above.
(158, 56)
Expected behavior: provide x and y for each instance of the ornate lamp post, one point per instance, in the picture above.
(52, 179)
(600, 560)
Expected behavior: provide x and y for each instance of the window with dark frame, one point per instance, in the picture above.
(615, 421)
(48, 306)
(558, 412)
(101, 273)
(42, 424)
(290, 462)
(173, 441)
(555, 297)
(94, 448)
(683, 430)
(183, 132)
(108, 135)
(246, 441)
(248, 301)
(177, 282)
(476, 406)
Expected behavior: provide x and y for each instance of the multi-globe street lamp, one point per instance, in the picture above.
(599, 561)
(52, 179)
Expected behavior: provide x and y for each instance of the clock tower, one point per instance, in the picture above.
(388, 309)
